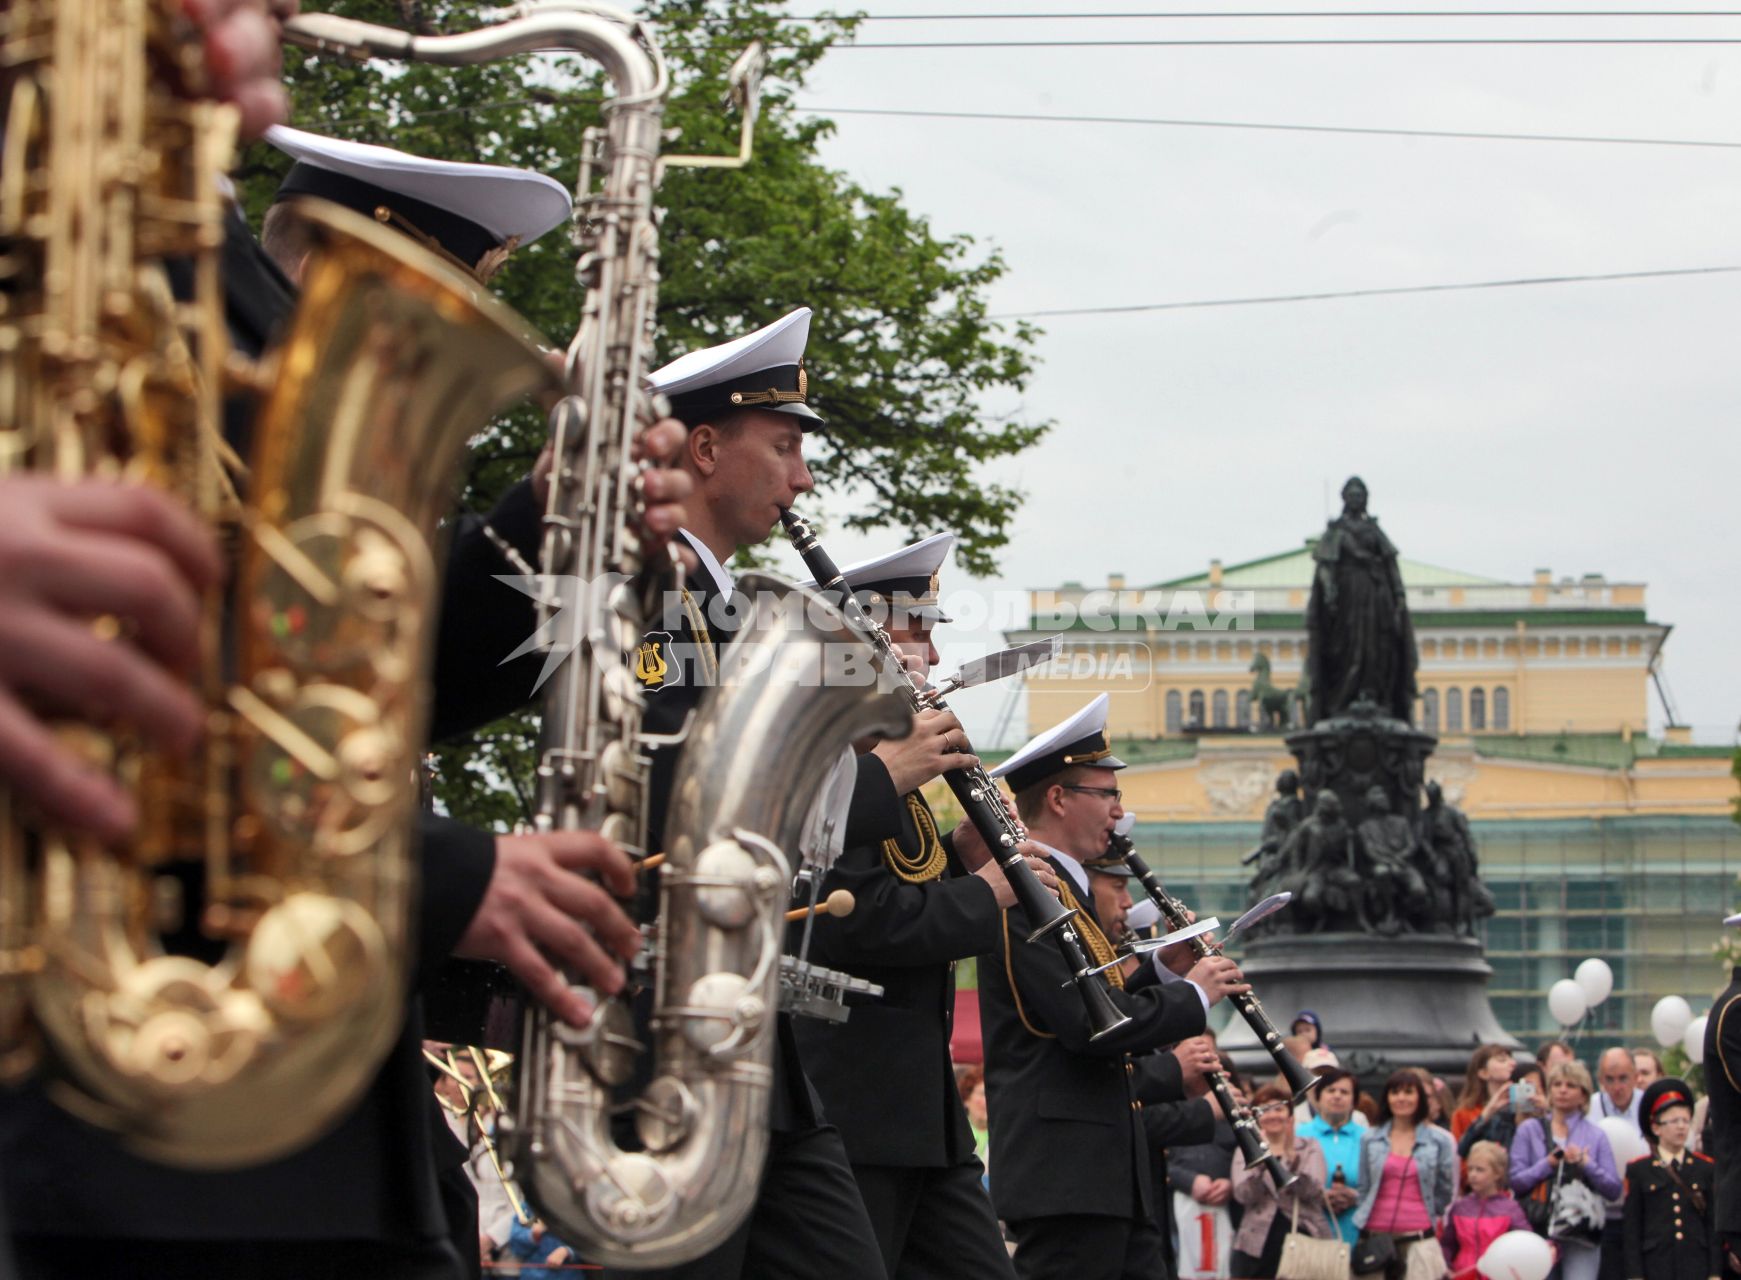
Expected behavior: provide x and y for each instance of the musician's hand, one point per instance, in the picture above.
(542, 906)
(663, 487)
(992, 873)
(1197, 1062)
(1218, 977)
(71, 552)
(242, 57)
(933, 747)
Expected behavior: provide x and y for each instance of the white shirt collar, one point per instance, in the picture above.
(1077, 872)
(710, 563)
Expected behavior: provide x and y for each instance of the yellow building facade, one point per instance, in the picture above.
(1597, 838)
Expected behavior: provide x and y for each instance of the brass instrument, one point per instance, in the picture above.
(757, 748)
(299, 800)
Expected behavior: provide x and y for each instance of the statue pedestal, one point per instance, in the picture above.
(1360, 749)
(1416, 1001)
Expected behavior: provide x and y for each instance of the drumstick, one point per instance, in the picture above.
(838, 903)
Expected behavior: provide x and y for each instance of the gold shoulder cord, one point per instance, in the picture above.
(1099, 948)
(929, 862)
(1727, 1070)
(706, 655)
(1015, 991)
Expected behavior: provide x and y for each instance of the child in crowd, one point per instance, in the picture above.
(1486, 1213)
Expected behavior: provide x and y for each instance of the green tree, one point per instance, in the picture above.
(901, 349)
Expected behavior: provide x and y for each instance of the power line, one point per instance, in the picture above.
(1442, 41)
(1264, 13)
(1259, 125)
(1521, 282)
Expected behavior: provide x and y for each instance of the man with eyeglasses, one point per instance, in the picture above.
(1069, 1152)
(1617, 1096)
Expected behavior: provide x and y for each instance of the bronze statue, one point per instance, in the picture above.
(1398, 895)
(1279, 820)
(1273, 704)
(1318, 865)
(1445, 832)
(1361, 644)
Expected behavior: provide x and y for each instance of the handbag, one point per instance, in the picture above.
(1308, 1258)
(1372, 1254)
(1426, 1260)
(1578, 1214)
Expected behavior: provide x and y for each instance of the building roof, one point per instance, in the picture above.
(1296, 568)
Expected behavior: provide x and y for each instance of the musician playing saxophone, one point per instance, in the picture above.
(921, 903)
(365, 1198)
(1071, 1171)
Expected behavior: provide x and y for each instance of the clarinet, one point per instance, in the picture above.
(973, 788)
(1250, 1008)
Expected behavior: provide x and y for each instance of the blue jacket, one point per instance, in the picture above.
(1435, 1162)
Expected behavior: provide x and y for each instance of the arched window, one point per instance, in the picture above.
(1195, 717)
(1502, 709)
(1242, 709)
(1477, 710)
(1175, 711)
(1453, 711)
(1219, 703)
(1430, 710)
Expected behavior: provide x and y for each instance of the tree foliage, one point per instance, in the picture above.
(901, 351)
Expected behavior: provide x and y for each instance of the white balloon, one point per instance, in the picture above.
(1596, 978)
(1566, 1001)
(1694, 1040)
(1517, 1255)
(1625, 1141)
(1668, 1021)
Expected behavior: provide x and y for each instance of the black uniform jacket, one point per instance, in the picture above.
(372, 1176)
(885, 1074)
(1667, 1237)
(1723, 1085)
(675, 665)
(1067, 1134)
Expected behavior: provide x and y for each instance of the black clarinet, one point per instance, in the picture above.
(973, 788)
(1250, 1008)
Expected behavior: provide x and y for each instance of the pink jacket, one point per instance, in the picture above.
(1476, 1222)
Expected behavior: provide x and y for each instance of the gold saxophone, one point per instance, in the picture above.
(299, 802)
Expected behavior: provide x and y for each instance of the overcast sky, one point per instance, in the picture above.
(1580, 427)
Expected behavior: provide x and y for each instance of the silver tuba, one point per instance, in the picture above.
(758, 750)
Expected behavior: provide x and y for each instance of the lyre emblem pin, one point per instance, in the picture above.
(650, 665)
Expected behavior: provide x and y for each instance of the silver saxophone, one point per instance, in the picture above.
(756, 751)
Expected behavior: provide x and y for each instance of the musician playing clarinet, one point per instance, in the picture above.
(921, 904)
(1072, 1166)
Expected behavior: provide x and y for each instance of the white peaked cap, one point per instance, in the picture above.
(907, 578)
(761, 370)
(1081, 739)
(503, 202)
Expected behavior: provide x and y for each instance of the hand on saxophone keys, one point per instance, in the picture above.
(242, 57)
(839, 903)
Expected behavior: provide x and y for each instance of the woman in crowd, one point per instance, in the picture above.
(1668, 1233)
(970, 1080)
(1563, 1145)
(1526, 1097)
(1486, 1088)
(1269, 1215)
(1407, 1171)
(1486, 1213)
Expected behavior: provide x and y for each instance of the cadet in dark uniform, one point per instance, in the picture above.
(367, 1198)
(1666, 1221)
(885, 1075)
(1723, 1087)
(745, 404)
(1070, 1154)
